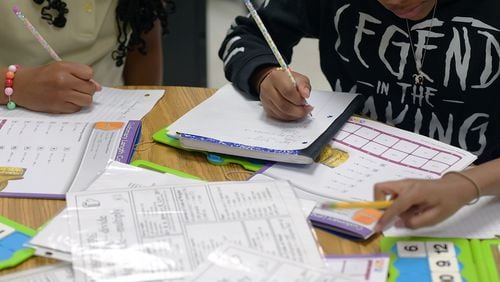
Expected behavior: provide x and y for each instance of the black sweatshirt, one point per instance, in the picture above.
(365, 48)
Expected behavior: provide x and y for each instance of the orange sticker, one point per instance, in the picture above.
(108, 125)
(367, 216)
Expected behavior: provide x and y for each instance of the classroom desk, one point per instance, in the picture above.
(175, 102)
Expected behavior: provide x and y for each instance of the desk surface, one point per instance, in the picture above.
(175, 102)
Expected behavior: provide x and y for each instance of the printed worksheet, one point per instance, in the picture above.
(366, 152)
(54, 240)
(108, 104)
(45, 158)
(166, 231)
(62, 272)
(233, 263)
(362, 268)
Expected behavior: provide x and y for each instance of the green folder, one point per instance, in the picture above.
(162, 169)
(13, 236)
(163, 137)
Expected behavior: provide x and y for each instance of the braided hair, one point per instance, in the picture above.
(132, 16)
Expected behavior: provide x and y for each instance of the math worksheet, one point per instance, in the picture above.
(44, 158)
(62, 272)
(54, 239)
(233, 263)
(366, 152)
(166, 231)
(108, 104)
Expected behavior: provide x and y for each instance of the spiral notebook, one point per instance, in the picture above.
(229, 122)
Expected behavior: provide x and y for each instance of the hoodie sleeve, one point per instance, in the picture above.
(244, 50)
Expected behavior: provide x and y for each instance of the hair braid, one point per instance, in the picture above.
(133, 17)
(137, 17)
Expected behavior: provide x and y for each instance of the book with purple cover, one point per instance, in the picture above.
(46, 158)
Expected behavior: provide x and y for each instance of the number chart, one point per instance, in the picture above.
(442, 259)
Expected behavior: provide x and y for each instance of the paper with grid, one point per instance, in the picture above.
(366, 152)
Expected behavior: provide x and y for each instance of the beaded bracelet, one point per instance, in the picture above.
(474, 183)
(9, 85)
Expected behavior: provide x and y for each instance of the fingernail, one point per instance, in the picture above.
(97, 84)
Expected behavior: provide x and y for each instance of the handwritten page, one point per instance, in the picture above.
(110, 104)
(54, 240)
(62, 272)
(233, 263)
(231, 117)
(478, 221)
(366, 152)
(167, 231)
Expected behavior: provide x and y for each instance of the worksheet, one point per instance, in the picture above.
(54, 240)
(46, 158)
(362, 268)
(108, 104)
(365, 152)
(232, 263)
(166, 231)
(62, 272)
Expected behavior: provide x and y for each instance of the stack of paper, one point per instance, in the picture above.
(120, 229)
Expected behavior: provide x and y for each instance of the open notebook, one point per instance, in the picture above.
(230, 123)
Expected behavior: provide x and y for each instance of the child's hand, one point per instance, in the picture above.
(420, 203)
(283, 101)
(60, 87)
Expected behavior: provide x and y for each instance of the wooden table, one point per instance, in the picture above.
(175, 102)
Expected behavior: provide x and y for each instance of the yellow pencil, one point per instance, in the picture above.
(357, 205)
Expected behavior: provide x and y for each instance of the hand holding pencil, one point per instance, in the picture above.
(283, 93)
(59, 87)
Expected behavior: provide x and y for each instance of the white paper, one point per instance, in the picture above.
(372, 152)
(62, 272)
(364, 153)
(54, 155)
(5, 230)
(166, 231)
(307, 205)
(109, 104)
(367, 268)
(478, 221)
(231, 117)
(54, 239)
(232, 263)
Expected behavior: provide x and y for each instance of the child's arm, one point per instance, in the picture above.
(420, 203)
(59, 87)
(244, 51)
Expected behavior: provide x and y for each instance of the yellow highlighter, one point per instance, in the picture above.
(356, 205)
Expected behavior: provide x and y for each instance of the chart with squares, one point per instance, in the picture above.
(430, 259)
(395, 149)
